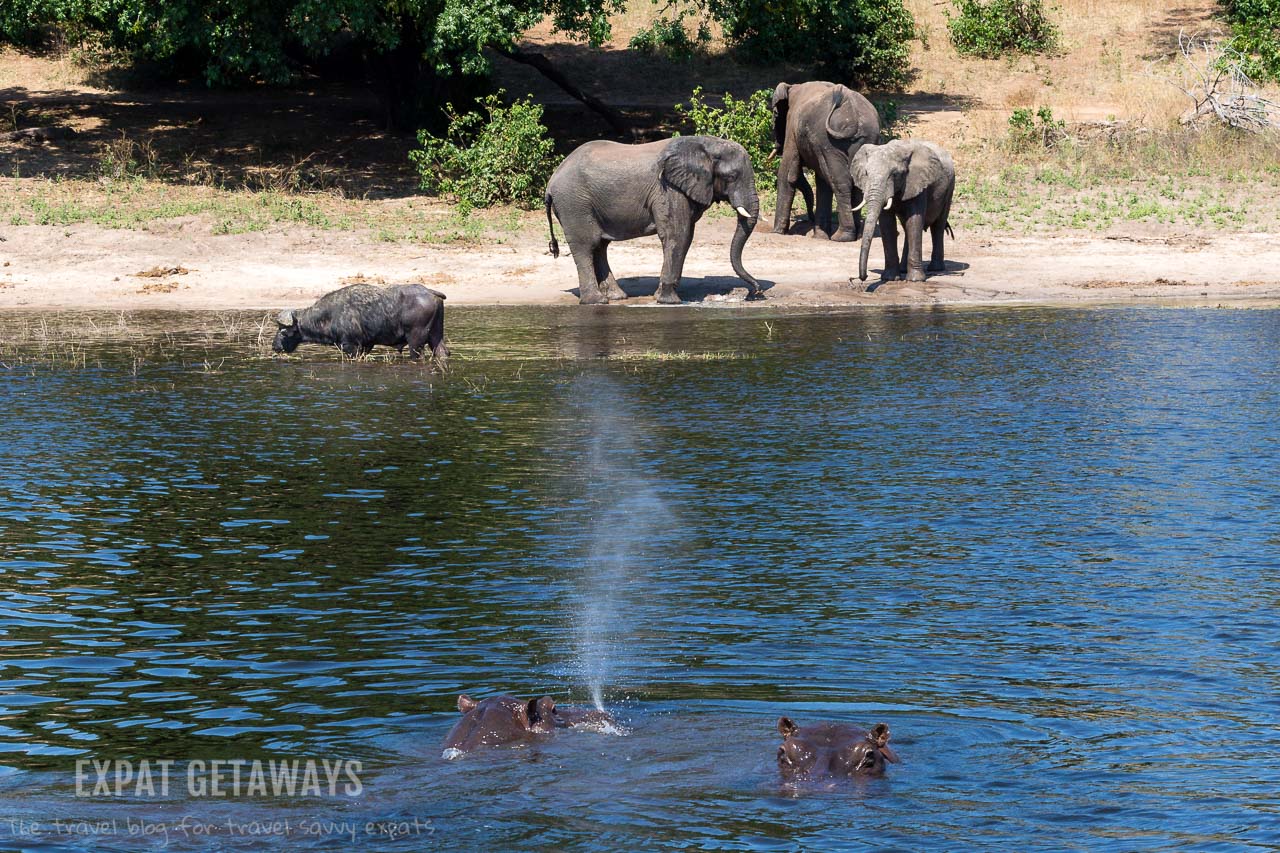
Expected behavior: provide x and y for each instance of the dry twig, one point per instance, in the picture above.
(1215, 81)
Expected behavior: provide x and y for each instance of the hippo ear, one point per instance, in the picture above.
(285, 319)
(879, 738)
(465, 703)
(786, 728)
(541, 710)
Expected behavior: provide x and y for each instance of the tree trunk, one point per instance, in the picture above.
(544, 67)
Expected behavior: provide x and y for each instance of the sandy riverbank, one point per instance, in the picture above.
(87, 266)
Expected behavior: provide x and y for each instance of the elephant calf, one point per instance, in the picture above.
(912, 181)
(607, 191)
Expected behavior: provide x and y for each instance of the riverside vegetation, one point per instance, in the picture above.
(1080, 136)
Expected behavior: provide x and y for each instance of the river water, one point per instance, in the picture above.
(1040, 544)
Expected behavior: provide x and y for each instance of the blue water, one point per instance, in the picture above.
(1040, 544)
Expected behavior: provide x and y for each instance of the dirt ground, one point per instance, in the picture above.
(186, 267)
(330, 143)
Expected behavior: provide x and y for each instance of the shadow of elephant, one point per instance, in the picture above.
(953, 268)
(691, 289)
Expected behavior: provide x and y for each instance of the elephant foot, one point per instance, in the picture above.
(781, 229)
(592, 297)
(844, 235)
(667, 296)
(916, 276)
(612, 291)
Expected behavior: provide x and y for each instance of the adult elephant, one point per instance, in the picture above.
(912, 181)
(820, 126)
(607, 191)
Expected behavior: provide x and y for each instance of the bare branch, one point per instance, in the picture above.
(1213, 77)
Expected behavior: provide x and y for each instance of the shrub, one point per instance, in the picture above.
(1257, 30)
(502, 155)
(668, 36)
(1035, 129)
(747, 122)
(863, 42)
(887, 111)
(993, 28)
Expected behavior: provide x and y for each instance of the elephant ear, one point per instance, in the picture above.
(858, 165)
(924, 169)
(780, 104)
(843, 122)
(686, 165)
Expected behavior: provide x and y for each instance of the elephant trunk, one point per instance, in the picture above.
(746, 225)
(874, 206)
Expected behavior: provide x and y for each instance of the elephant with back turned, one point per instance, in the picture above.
(820, 126)
(911, 181)
(607, 191)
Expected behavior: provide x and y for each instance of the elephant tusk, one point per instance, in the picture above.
(861, 205)
(888, 203)
(742, 211)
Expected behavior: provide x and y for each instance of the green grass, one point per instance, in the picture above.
(138, 203)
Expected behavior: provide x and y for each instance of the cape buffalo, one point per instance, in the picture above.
(358, 317)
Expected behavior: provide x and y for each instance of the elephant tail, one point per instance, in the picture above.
(950, 233)
(552, 246)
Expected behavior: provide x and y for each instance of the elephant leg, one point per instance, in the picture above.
(836, 173)
(889, 238)
(604, 275)
(937, 262)
(589, 292)
(914, 226)
(788, 169)
(675, 246)
(802, 184)
(822, 219)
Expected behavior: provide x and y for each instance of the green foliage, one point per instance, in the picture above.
(670, 37)
(233, 41)
(1035, 129)
(747, 122)
(502, 155)
(1257, 34)
(855, 41)
(996, 28)
(889, 118)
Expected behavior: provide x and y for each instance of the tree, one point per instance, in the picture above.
(1257, 29)
(863, 42)
(425, 51)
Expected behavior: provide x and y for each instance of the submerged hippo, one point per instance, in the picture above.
(361, 316)
(832, 751)
(506, 721)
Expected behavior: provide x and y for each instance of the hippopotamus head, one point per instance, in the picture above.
(288, 336)
(592, 719)
(498, 721)
(832, 750)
